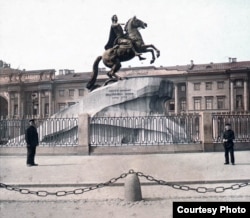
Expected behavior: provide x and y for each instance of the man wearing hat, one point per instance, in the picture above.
(228, 137)
(31, 138)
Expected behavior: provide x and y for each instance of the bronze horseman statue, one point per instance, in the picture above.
(122, 46)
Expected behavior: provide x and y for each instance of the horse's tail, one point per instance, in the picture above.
(94, 74)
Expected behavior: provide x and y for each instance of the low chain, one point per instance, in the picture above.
(64, 193)
(218, 189)
(79, 191)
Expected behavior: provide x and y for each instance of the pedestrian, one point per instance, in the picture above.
(228, 137)
(31, 138)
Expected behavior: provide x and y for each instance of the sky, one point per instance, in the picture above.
(70, 34)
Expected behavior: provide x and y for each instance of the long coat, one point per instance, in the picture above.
(31, 136)
(229, 135)
(115, 33)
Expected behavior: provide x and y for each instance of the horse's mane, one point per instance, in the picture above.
(126, 25)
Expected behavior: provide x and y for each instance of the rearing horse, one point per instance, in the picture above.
(113, 57)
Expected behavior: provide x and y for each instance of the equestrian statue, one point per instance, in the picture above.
(122, 46)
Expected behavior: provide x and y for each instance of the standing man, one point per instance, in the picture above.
(31, 138)
(228, 137)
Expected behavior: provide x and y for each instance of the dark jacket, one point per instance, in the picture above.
(31, 136)
(229, 135)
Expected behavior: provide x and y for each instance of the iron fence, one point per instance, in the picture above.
(240, 124)
(51, 131)
(145, 130)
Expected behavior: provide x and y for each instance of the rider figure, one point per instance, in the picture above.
(117, 37)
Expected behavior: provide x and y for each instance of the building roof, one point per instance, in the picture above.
(73, 76)
(189, 69)
(212, 66)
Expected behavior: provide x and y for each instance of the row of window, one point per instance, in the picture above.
(209, 103)
(62, 106)
(71, 92)
(30, 95)
(209, 85)
(220, 85)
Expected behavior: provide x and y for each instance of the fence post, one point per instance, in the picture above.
(206, 131)
(83, 134)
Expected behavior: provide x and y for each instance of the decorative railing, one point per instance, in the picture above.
(51, 131)
(126, 130)
(240, 124)
(145, 130)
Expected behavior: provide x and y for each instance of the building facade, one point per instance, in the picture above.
(222, 87)
(214, 87)
(26, 93)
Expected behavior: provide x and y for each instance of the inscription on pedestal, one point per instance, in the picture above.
(120, 94)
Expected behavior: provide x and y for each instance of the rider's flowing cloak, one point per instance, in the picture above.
(112, 37)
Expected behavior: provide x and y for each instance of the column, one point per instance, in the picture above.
(40, 104)
(232, 95)
(9, 112)
(19, 104)
(176, 102)
(50, 103)
(246, 93)
(12, 100)
(22, 103)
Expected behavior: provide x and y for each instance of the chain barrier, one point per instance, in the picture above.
(79, 191)
(218, 189)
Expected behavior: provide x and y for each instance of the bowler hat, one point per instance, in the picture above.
(32, 120)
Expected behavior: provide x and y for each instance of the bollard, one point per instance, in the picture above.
(132, 188)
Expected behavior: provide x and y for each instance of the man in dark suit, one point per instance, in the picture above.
(228, 137)
(31, 138)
